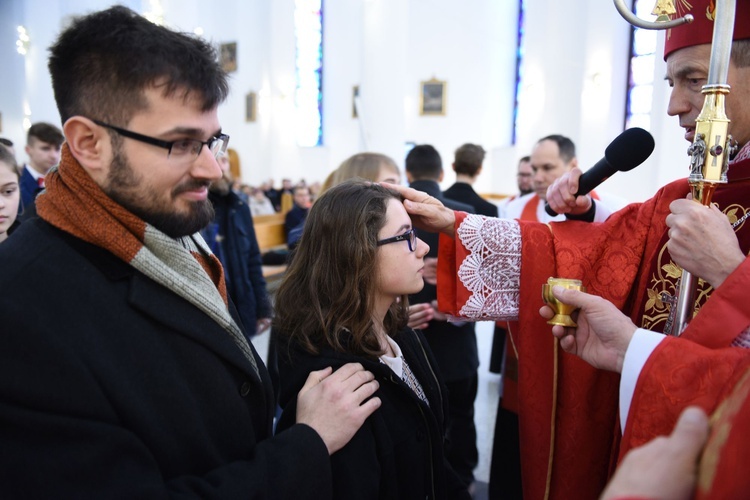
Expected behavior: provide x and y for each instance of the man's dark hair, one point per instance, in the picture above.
(102, 63)
(6, 142)
(423, 162)
(565, 145)
(525, 159)
(468, 159)
(45, 132)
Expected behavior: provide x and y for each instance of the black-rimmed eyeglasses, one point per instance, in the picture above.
(410, 236)
(179, 149)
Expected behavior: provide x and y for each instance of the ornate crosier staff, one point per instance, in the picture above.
(712, 146)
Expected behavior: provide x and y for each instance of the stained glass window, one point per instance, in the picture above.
(308, 29)
(519, 65)
(641, 71)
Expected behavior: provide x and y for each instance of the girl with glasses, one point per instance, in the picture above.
(344, 299)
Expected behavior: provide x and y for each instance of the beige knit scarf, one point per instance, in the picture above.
(74, 203)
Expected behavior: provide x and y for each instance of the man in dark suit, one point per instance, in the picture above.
(231, 237)
(468, 165)
(454, 345)
(135, 380)
(297, 215)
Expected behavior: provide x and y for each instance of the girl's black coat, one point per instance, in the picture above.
(398, 452)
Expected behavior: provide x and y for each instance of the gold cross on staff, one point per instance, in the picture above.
(663, 10)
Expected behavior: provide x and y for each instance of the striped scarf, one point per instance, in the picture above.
(74, 203)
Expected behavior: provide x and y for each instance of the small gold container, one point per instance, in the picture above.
(562, 311)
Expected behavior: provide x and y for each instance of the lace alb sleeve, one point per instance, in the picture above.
(492, 271)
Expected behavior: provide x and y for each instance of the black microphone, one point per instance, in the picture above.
(627, 151)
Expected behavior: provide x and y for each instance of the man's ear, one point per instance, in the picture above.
(442, 173)
(453, 165)
(573, 163)
(90, 145)
(409, 177)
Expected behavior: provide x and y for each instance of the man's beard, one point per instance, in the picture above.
(132, 193)
(222, 186)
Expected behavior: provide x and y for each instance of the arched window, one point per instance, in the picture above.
(519, 65)
(308, 29)
(641, 72)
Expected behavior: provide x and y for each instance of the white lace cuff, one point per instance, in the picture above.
(492, 270)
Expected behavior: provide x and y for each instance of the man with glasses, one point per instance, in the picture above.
(136, 379)
(524, 176)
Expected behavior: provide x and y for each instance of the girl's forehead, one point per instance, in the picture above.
(396, 213)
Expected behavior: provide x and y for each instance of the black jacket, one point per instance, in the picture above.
(294, 217)
(113, 386)
(455, 347)
(231, 237)
(398, 452)
(465, 193)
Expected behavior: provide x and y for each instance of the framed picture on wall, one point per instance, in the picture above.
(251, 106)
(228, 56)
(432, 97)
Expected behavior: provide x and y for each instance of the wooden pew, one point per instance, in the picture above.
(269, 229)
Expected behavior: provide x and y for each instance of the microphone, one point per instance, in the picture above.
(627, 151)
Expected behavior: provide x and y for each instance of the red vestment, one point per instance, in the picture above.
(717, 380)
(567, 409)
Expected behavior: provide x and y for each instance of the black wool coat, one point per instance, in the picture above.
(463, 192)
(398, 452)
(112, 386)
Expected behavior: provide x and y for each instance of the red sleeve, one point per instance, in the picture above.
(725, 314)
(679, 373)
(451, 294)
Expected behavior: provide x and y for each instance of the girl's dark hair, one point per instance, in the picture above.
(327, 295)
(103, 62)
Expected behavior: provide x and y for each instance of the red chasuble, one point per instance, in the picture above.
(717, 380)
(567, 409)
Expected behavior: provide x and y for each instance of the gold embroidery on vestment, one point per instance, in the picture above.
(664, 282)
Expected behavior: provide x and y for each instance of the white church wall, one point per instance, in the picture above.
(574, 81)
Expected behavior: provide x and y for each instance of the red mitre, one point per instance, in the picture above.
(701, 30)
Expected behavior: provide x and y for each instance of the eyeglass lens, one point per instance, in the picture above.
(218, 145)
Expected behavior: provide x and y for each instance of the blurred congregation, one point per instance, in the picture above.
(296, 249)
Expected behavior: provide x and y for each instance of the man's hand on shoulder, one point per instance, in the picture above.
(336, 404)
